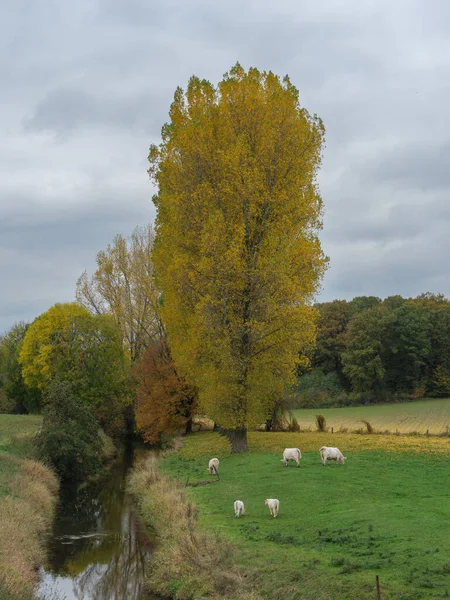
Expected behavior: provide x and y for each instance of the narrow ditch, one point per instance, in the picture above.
(98, 546)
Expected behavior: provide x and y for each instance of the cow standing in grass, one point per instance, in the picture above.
(327, 453)
(213, 466)
(274, 506)
(291, 454)
(239, 508)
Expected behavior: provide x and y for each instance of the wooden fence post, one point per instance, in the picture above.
(332, 430)
(378, 588)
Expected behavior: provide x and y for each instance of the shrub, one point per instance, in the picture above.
(6, 404)
(317, 389)
(321, 423)
(363, 398)
(69, 439)
(369, 428)
(293, 425)
(276, 420)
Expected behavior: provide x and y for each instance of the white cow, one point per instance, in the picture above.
(291, 454)
(239, 508)
(331, 454)
(213, 466)
(274, 506)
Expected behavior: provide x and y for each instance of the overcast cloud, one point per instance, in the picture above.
(86, 87)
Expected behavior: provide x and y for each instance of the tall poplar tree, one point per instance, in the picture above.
(237, 254)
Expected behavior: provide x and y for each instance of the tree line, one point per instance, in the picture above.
(373, 350)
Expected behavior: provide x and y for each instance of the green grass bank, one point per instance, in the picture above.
(386, 512)
(28, 493)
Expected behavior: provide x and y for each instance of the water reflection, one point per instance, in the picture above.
(98, 547)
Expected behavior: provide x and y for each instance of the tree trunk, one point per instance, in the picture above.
(237, 439)
(188, 426)
(130, 421)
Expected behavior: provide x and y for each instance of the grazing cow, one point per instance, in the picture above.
(213, 466)
(274, 506)
(239, 508)
(331, 454)
(291, 454)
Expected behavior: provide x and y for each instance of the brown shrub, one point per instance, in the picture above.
(293, 425)
(369, 428)
(321, 423)
(39, 472)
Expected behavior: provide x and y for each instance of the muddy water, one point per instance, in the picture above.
(98, 547)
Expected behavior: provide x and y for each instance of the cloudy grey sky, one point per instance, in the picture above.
(86, 86)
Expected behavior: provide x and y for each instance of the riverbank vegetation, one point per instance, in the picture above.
(69, 439)
(380, 513)
(188, 562)
(28, 494)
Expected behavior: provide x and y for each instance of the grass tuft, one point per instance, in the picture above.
(321, 423)
(369, 428)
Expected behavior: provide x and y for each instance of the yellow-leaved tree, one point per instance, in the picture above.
(69, 343)
(123, 286)
(237, 253)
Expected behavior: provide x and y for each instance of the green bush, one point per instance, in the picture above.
(321, 423)
(69, 439)
(6, 404)
(318, 390)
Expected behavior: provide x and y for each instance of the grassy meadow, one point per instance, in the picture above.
(386, 512)
(28, 493)
(418, 416)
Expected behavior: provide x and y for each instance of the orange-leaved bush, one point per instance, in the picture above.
(164, 401)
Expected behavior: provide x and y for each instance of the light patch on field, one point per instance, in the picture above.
(407, 417)
(200, 444)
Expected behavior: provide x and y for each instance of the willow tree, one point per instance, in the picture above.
(237, 254)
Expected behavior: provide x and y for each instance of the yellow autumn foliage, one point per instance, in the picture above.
(43, 341)
(236, 252)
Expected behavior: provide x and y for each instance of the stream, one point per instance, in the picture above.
(98, 546)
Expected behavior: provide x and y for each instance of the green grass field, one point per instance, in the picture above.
(16, 435)
(17, 431)
(383, 513)
(418, 416)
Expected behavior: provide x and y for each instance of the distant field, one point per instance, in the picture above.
(419, 416)
(17, 431)
(19, 424)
